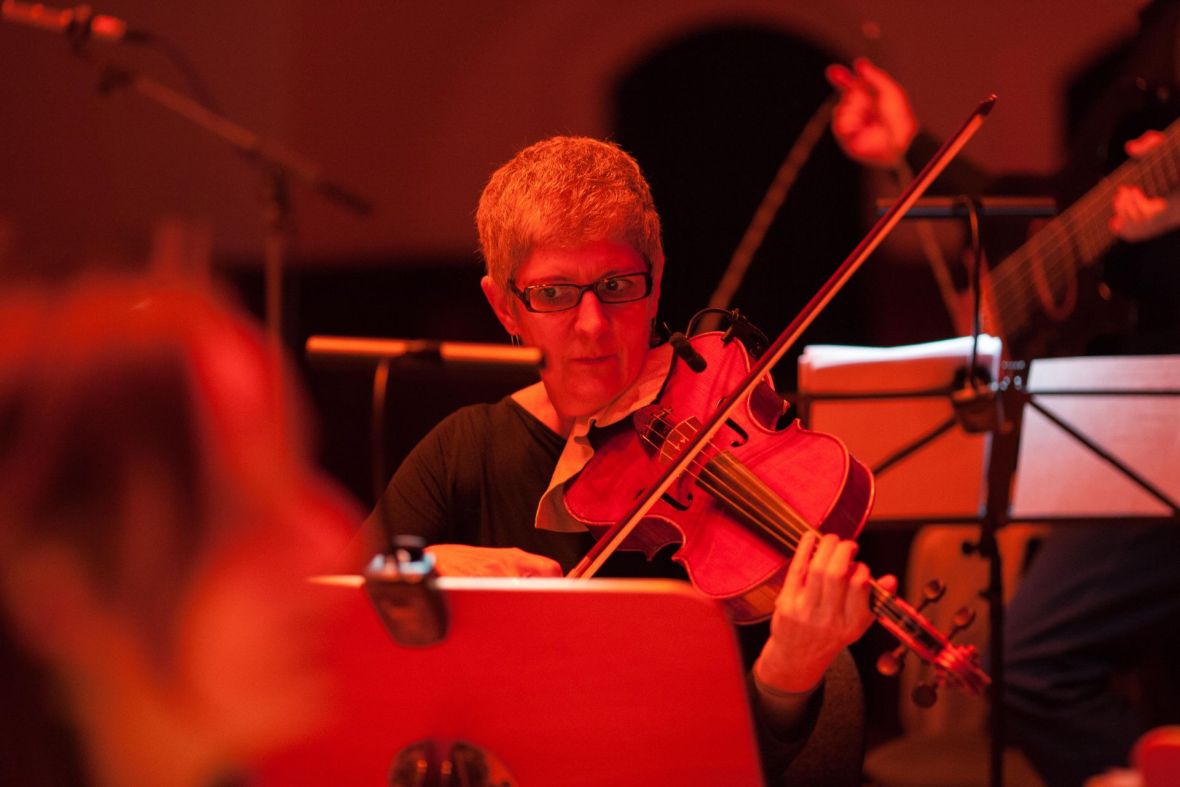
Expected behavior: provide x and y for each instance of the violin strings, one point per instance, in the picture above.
(885, 601)
(759, 512)
(756, 510)
(746, 507)
(749, 509)
(761, 509)
(903, 622)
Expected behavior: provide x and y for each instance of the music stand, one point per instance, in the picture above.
(1086, 455)
(559, 681)
(410, 354)
(932, 456)
(1118, 468)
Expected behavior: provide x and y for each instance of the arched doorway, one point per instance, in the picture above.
(710, 117)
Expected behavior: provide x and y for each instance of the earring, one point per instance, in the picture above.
(514, 339)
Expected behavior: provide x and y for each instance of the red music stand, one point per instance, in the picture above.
(620, 682)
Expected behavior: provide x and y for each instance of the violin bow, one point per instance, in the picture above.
(606, 546)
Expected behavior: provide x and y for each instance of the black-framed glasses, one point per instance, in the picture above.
(560, 297)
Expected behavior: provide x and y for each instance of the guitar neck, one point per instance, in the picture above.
(1078, 237)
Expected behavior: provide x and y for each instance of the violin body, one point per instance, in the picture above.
(738, 563)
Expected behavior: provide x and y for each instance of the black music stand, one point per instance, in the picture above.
(413, 354)
(1119, 468)
(935, 462)
(975, 396)
(553, 681)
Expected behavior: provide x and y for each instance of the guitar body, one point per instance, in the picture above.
(1083, 317)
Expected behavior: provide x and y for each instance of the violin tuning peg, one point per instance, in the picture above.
(932, 591)
(892, 662)
(925, 695)
(963, 618)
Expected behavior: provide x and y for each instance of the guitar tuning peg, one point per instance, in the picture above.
(963, 618)
(925, 695)
(892, 662)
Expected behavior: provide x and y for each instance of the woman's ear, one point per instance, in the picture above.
(499, 300)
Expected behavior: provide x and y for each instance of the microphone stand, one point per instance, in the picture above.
(279, 233)
(978, 408)
(277, 162)
(1000, 469)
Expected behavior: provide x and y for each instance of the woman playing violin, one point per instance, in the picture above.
(571, 239)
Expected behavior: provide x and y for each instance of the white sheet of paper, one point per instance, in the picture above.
(945, 477)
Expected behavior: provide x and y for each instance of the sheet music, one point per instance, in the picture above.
(945, 477)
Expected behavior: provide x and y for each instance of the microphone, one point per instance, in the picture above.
(687, 353)
(79, 24)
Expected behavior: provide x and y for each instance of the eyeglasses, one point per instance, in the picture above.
(560, 297)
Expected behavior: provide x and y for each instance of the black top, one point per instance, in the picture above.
(1149, 274)
(476, 479)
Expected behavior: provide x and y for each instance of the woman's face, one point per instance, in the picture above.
(594, 350)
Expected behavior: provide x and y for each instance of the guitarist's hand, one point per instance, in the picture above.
(873, 121)
(1138, 217)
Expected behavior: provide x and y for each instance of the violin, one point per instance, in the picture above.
(746, 500)
(752, 526)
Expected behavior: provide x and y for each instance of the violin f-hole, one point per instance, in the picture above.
(743, 436)
(679, 506)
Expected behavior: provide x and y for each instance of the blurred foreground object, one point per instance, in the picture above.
(158, 514)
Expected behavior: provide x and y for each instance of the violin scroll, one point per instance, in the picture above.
(956, 665)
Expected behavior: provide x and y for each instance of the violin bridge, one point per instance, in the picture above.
(652, 426)
(680, 436)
